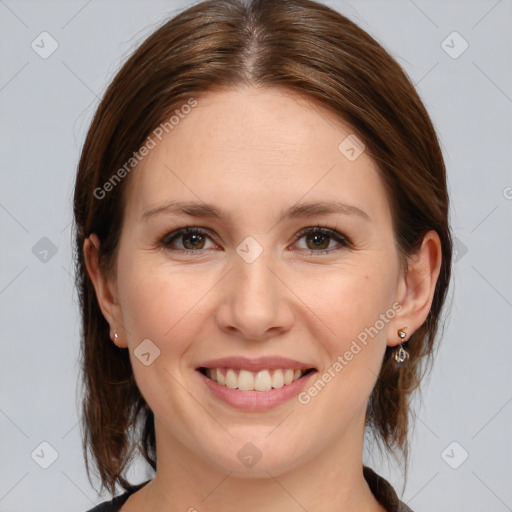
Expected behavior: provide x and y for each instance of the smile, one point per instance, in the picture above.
(262, 380)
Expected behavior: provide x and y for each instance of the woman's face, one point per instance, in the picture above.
(253, 296)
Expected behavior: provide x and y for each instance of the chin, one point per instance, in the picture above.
(258, 458)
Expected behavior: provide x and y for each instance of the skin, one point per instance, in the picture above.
(254, 153)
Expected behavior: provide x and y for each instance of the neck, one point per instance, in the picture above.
(331, 481)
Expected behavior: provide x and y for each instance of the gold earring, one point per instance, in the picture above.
(401, 355)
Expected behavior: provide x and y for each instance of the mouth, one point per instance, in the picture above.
(254, 384)
(263, 380)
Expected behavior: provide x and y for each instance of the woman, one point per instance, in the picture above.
(263, 253)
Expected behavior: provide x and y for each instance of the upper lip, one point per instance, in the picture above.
(256, 364)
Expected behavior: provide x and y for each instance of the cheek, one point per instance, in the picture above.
(357, 308)
(162, 304)
(157, 303)
(165, 302)
(356, 301)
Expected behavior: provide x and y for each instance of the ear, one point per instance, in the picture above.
(105, 288)
(417, 286)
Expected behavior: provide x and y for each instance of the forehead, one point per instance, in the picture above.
(255, 149)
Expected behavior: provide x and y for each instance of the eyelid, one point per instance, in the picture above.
(333, 233)
(324, 230)
(186, 230)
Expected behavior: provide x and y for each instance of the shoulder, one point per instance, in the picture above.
(384, 492)
(115, 504)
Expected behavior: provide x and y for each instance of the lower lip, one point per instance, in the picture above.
(256, 400)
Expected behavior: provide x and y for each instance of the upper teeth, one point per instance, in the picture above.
(263, 380)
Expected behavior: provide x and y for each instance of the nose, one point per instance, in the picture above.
(256, 303)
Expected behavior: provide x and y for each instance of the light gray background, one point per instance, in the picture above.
(45, 108)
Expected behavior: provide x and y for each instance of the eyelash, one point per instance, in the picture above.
(167, 240)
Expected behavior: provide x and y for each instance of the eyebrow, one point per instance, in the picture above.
(205, 210)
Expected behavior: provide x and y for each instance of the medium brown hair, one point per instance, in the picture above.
(299, 45)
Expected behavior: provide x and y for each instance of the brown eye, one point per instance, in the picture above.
(190, 240)
(319, 239)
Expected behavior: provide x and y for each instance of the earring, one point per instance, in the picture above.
(116, 337)
(401, 355)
